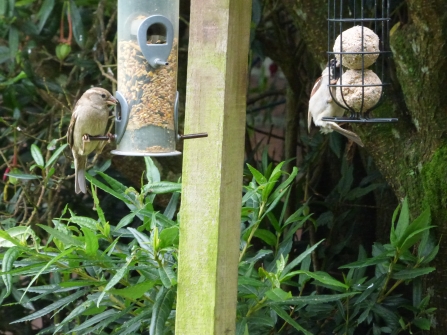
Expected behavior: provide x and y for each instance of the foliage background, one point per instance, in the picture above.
(52, 51)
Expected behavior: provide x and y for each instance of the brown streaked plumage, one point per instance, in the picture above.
(90, 116)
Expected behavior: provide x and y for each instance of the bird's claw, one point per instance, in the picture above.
(111, 137)
(86, 138)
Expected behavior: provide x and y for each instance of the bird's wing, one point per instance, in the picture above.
(349, 134)
(71, 126)
(316, 86)
(314, 89)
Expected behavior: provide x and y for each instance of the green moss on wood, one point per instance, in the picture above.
(434, 181)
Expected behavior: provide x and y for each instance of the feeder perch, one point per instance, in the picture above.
(358, 33)
(146, 118)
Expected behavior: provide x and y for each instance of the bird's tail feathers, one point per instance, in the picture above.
(349, 134)
(80, 185)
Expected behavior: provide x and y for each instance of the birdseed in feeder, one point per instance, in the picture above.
(352, 42)
(150, 92)
(358, 98)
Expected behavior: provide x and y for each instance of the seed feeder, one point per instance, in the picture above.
(358, 34)
(146, 120)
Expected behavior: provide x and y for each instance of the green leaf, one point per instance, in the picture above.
(115, 184)
(273, 201)
(322, 277)
(277, 294)
(167, 276)
(76, 312)
(260, 179)
(132, 326)
(313, 299)
(13, 41)
(345, 183)
(286, 317)
(171, 208)
(161, 311)
(44, 13)
(283, 186)
(55, 305)
(267, 236)
(3, 7)
(413, 238)
(298, 260)
(55, 155)
(107, 189)
(4, 51)
(422, 323)
(85, 222)
(9, 236)
(152, 173)
(142, 239)
(366, 262)
(95, 319)
(37, 155)
(413, 232)
(249, 282)
(114, 280)
(8, 260)
(128, 219)
(162, 187)
(67, 240)
(23, 176)
(260, 254)
(91, 242)
(404, 220)
(135, 291)
(359, 192)
(412, 273)
(11, 81)
(296, 216)
(169, 237)
(272, 181)
(78, 28)
(47, 265)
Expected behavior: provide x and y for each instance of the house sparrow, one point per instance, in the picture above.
(322, 105)
(90, 116)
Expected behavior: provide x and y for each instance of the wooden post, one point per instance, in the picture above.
(212, 167)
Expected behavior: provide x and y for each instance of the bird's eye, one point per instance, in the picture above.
(103, 96)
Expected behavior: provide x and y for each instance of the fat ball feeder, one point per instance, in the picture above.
(146, 118)
(354, 28)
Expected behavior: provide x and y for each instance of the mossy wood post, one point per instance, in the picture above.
(212, 167)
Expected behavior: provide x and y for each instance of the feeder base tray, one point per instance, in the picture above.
(360, 120)
(153, 154)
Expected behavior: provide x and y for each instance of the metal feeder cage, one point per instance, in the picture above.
(358, 37)
(146, 118)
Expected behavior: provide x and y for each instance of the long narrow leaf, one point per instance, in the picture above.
(299, 259)
(286, 317)
(97, 318)
(37, 155)
(55, 305)
(114, 280)
(161, 311)
(52, 261)
(7, 263)
(67, 240)
(56, 154)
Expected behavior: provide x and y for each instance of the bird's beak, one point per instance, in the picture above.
(112, 101)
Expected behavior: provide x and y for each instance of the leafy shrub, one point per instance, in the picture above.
(93, 277)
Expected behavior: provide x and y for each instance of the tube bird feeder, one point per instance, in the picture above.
(146, 118)
(358, 38)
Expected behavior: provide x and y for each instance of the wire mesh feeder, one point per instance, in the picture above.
(358, 32)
